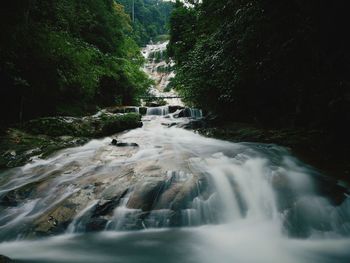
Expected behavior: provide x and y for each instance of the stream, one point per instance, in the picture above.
(171, 195)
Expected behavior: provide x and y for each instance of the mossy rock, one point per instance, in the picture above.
(92, 126)
(44, 136)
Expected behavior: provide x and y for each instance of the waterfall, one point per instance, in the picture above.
(160, 111)
(177, 197)
(196, 113)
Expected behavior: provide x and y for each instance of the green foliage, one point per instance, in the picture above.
(151, 19)
(271, 62)
(66, 57)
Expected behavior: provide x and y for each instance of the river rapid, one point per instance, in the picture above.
(168, 194)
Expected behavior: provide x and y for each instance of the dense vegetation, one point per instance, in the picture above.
(150, 18)
(272, 62)
(66, 57)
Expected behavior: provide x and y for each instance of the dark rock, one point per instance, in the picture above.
(185, 113)
(193, 124)
(114, 142)
(4, 259)
(13, 197)
(171, 124)
(117, 109)
(131, 109)
(107, 207)
(101, 124)
(18, 147)
(328, 187)
(126, 144)
(96, 224)
(173, 108)
(143, 110)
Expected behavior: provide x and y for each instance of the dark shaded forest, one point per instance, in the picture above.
(70, 57)
(269, 62)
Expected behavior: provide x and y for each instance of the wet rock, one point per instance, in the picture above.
(192, 124)
(155, 103)
(280, 181)
(178, 193)
(16, 196)
(106, 207)
(124, 144)
(96, 224)
(4, 259)
(26, 146)
(173, 108)
(171, 124)
(102, 124)
(328, 187)
(183, 113)
(56, 222)
(186, 194)
(145, 194)
(41, 137)
(143, 110)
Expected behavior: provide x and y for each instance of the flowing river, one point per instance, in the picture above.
(169, 195)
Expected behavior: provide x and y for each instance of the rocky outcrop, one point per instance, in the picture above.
(43, 136)
(102, 124)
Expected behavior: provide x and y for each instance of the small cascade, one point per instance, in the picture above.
(78, 224)
(196, 113)
(159, 111)
(125, 218)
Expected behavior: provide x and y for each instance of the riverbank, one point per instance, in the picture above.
(44, 136)
(313, 146)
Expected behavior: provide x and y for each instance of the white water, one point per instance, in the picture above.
(229, 202)
(245, 218)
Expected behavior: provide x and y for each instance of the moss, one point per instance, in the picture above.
(44, 136)
(17, 147)
(92, 126)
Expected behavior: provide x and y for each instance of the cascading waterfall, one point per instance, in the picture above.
(178, 196)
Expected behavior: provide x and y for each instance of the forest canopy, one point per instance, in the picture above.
(150, 18)
(272, 62)
(66, 57)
